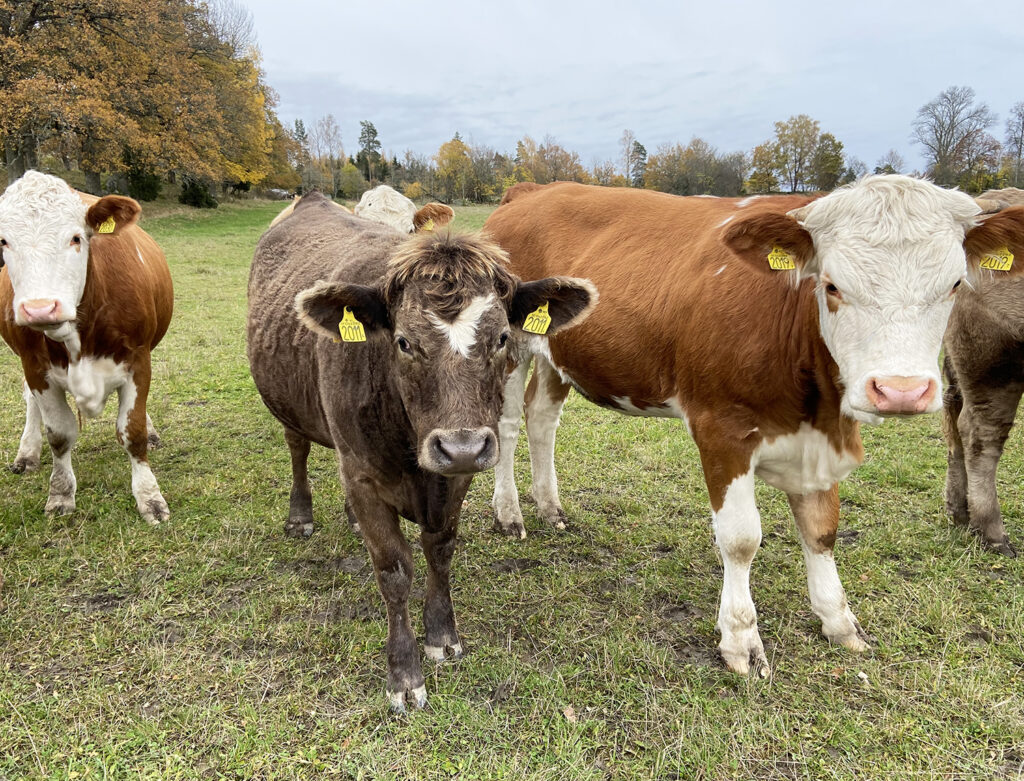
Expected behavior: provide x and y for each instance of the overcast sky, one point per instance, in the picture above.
(582, 72)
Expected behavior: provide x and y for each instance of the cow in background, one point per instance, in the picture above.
(85, 295)
(393, 352)
(772, 326)
(388, 206)
(984, 370)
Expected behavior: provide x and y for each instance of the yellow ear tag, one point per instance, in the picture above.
(1000, 260)
(428, 225)
(107, 226)
(780, 260)
(351, 329)
(538, 321)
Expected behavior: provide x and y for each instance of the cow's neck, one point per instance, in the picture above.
(67, 335)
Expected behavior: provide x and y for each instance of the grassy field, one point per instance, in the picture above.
(214, 647)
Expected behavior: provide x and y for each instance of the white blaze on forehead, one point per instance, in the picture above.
(461, 331)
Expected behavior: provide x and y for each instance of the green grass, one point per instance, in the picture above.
(214, 647)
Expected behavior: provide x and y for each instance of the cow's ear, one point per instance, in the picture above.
(323, 308)
(111, 214)
(548, 305)
(771, 243)
(997, 244)
(432, 216)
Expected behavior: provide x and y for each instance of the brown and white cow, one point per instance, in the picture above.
(386, 205)
(984, 369)
(85, 295)
(412, 411)
(771, 370)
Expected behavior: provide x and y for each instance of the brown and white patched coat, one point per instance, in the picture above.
(771, 370)
(85, 295)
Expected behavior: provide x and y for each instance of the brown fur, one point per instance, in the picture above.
(438, 212)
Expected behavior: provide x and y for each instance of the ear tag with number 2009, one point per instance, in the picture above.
(780, 260)
(538, 321)
(1000, 260)
(351, 330)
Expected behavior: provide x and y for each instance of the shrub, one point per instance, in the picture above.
(413, 190)
(195, 192)
(143, 184)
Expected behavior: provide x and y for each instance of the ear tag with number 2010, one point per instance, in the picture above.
(1000, 260)
(780, 260)
(538, 321)
(351, 330)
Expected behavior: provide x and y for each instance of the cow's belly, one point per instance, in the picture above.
(803, 462)
(90, 381)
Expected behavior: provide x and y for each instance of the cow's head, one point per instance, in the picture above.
(888, 254)
(45, 232)
(386, 205)
(445, 313)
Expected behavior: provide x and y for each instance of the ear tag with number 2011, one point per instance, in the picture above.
(780, 260)
(351, 330)
(1000, 260)
(538, 321)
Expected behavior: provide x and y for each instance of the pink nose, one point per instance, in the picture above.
(41, 311)
(900, 395)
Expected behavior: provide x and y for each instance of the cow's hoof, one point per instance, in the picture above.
(856, 639)
(60, 505)
(508, 519)
(416, 697)
(155, 512)
(747, 661)
(153, 441)
(514, 529)
(441, 653)
(1003, 547)
(23, 465)
(299, 529)
(551, 512)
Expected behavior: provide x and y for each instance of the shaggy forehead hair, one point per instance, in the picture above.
(886, 210)
(43, 195)
(449, 270)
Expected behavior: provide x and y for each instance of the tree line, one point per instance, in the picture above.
(135, 93)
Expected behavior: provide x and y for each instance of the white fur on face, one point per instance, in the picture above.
(39, 216)
(386, 205)
(893, 246)
(461, 332)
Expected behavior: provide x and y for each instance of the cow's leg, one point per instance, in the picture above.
(737, 524)
(508, 517)
(817, 518)
(152, 435)
(984, 424)
(956, 472)
(61, 432)
(31, 446)
(392, 563)
(442, 636)
(545, 397)
(133, 434)
(300, 502)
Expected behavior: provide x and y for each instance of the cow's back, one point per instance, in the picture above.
(318, 242)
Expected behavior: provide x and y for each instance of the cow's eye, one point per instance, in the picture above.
(832, 290)
(956, 285)
(3, 242)
(403, 345)
(502, 339)
(76, 241)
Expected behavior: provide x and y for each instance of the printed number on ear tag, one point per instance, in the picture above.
(538, 321)
(107, 226)
(1000, 260)
(780, 260)
(351, 330)
(428, 225)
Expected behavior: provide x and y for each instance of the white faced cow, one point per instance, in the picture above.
(387, 206)
(85, 294)
(771, 370)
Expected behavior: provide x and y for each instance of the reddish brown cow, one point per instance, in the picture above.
(771, 370)
(85, 294)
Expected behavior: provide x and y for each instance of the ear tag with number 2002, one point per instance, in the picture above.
(351, 330)
(538, 321)
(780, 260)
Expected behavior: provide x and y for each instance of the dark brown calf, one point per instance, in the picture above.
(411, 406)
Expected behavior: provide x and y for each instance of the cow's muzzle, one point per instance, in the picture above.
(459, 451)
(901, 395)
(40, 311)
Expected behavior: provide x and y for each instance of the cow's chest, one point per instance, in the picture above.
(803, 462)
(90, 381)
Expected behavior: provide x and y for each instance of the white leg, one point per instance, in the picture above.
(738, 534)
(61, 433)
(508, 517)
(31, 447)
(543, 410)
(150, 502)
